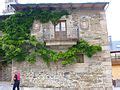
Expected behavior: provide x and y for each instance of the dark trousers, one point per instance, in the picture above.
(16, 84)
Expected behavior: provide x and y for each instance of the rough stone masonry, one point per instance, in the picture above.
(94, 73)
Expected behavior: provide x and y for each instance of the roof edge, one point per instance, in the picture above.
(87, 5)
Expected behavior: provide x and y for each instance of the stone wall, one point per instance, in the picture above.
(95, 72)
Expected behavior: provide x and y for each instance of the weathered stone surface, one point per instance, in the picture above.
(5, 72)
(71, 76)
(93, 74)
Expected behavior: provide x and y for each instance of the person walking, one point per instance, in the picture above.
(16, 81)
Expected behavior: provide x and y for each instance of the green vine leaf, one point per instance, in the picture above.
(16, 43)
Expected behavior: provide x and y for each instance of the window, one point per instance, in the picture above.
(118, 55)
(57, 27)
(61, 26)
(80, 58)
(115, 55)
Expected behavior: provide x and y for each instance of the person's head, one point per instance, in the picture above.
(17, 72)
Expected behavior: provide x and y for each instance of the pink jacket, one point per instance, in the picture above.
(18, 75)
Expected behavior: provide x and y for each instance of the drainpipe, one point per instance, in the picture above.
(78, 33)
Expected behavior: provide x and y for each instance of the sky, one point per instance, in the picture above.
(112, 13)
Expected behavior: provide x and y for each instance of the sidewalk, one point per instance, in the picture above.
(7, 86)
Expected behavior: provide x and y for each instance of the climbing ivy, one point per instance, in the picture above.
(17, 43)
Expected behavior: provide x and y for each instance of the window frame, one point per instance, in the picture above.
(60, 26)
(80, 58)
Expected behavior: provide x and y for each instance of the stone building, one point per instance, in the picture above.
(8, 8)
(86, 21)
(115, 58)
